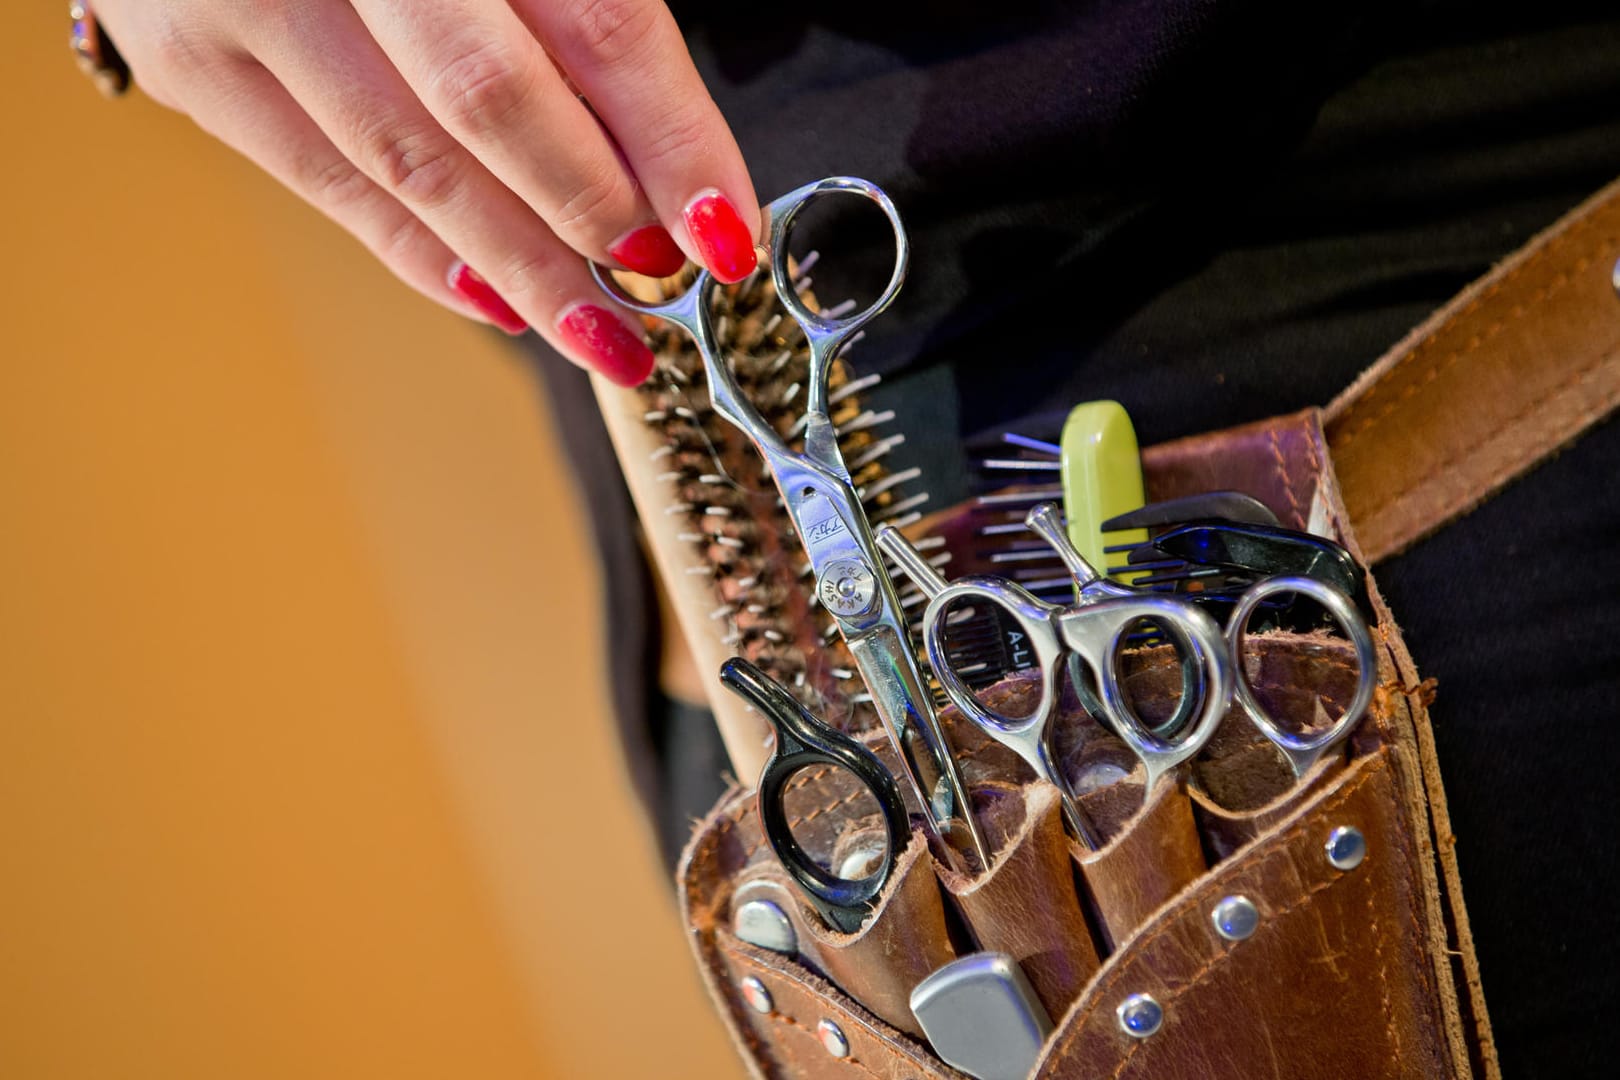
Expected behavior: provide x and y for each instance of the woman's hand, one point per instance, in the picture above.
(438, 131)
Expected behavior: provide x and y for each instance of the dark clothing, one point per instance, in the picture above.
(1213, 213)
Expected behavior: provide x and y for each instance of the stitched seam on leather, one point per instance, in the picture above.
(1555, 247)
(1287, 480)
(1497, 434)
(1282, 848)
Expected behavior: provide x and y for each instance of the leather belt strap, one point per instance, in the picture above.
(1514, 368)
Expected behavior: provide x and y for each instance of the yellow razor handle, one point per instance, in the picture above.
(1102, 478)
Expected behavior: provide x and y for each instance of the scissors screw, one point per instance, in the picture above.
(758, 998)
(832, 1037)
(1235, 918)
(1346, 847)
(1140, 1016)
(848, 587)
(762, 923)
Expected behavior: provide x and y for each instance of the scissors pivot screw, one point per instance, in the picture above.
(1140, 1016)
(1346, 847)
(758, 998)
(832, 1038)
(1235, 918)
(848, 588)
(762, 923)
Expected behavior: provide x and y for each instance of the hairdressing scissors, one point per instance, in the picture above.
(1091, 631)
(826, 512)
(802, 742)
(1303, 751)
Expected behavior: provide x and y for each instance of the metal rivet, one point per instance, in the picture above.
(832, 1037)
(758, 998)
(847, 587)
(1235, 918)
(1616, 278)
(762, 923)
(1140, 1016)
(1346, 847)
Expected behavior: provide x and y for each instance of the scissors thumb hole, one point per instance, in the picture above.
(1304, 698)
(852, 251)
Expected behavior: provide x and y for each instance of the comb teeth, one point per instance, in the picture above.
(730, 512)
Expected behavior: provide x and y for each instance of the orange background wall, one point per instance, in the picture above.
(305, 766)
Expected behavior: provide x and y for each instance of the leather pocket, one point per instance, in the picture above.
(1025, 905)
(1154, 856)
(1332, 979)
(1350, 968)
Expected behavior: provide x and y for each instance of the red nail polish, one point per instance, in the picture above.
(724, 241)
(649, 250)
(611, 347)
(476, 291)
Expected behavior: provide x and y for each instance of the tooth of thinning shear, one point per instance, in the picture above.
(826, 512)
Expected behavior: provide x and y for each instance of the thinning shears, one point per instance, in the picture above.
(826, 511)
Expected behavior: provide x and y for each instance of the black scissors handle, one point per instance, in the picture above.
(802, 741)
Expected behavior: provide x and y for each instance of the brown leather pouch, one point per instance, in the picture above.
(1356, 971)
(1358, 960)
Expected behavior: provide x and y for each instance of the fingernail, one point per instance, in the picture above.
(648, 250)
(476, 291)
(722, 239)
(610, 347)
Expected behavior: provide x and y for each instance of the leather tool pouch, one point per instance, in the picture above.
(1359, 962)
(1364, 971)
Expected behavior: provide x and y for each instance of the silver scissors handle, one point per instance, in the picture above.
(825, 509)
(1094, 634)
(691, 310)
(1027, 736)
(1303, 751)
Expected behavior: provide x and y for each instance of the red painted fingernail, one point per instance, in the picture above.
(476, 291)
(649, 250)
(724, 241)
(611, 347)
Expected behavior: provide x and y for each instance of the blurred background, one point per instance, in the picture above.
(305, 761)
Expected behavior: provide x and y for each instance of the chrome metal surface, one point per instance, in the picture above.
(1235, 918)
(1140, 1016)
(1346, 847)
(762, 923)
(825, 509)
(982, 1016)
(1303, 751)
(832, 1038)
(758, 998)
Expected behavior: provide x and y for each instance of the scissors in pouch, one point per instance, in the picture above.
(804, 742)
(826, 511)
(1091, 631)
(1302, 750)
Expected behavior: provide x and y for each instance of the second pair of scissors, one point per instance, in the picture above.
(1093, 632)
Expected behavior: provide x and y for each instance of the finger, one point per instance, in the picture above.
(248, 110)
(484, 77)
(629, 59)
(335, 71)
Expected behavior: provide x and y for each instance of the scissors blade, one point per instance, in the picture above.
(852, 585)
